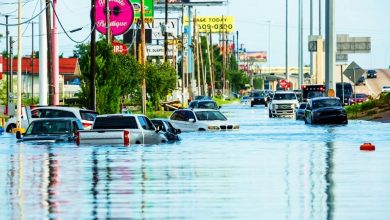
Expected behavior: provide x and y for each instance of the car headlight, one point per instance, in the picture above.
(274, 106)
(213, 127)
(236, 127)
(252, 99)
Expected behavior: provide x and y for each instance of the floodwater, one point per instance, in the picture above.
(275, 168)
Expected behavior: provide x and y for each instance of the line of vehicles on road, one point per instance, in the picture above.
(53, 124)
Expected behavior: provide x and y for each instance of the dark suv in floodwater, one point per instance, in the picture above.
(258, 97)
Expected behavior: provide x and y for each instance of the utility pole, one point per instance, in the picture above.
(49, 54)
(32, 63)
(93, 58)
(320, 18)
(287, 74)
(108, 30)
(19, 88)
(166, 33)
(269, 47)
(56, 66)
(143, 56)
(329, 45)
(311, 34)
(182, 57)
(300, 43)
(42, 57)
(11, 87)
(8, 58)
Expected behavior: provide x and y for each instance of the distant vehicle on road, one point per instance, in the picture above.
(203, 104)
(312, 91)
(361, 81)
(54, 130)
(360, 97)
(325, 110)
(166, 128)
(258, 97)
(385, 88)
(121, 129)
(201, 120)
(371, 74)
(348, 91)
(283, 103)
(245, 100)
(30, 114)
(300, 111)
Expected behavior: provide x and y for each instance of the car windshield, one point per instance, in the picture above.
(207, 105)
(115, 122)
(258, 94)
(49, 127)
(284, 96)
(323, 103)
(210, 116)
(88, 115)
(302, 105)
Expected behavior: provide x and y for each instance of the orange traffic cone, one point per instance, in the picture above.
(367, 147)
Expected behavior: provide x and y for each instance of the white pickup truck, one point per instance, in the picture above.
(121, 129)
(283, 104)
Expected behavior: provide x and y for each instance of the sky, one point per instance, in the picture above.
(358, 18)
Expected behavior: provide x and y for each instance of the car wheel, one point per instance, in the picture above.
(266, 104)
(10, 127)
(202, 129)
(251, 104)
(305, 120)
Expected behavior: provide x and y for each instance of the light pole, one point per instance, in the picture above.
(287, 75)
(269, 46)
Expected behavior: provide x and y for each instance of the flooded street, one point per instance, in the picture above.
(275, 168)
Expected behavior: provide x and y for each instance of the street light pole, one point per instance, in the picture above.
(8, 58)
(32, 63)
(269, 46)
(287, 75)
(19, 89)
(93, 58)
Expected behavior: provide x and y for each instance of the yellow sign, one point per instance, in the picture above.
(215, 24)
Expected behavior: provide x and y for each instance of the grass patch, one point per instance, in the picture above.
(368, 108)
(158, 114)
(371, 112)
(221, 101)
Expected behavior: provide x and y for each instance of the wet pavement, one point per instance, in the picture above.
(275, 168)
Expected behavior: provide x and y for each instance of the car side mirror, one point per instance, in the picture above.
(178, 131)
(191, 120)
(219, 107)
(18, 135)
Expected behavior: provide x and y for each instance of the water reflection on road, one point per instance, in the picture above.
(271, 169)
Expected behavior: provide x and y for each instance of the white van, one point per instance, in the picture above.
(385, 88)
(30, 113)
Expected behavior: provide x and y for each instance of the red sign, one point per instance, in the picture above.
(121, 16)
(284, 84)
(120, 48)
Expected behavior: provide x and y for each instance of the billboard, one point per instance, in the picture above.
(215, 24)
(256, 56)
(191, 2)
(121, 16)
(149, 10)
(158, 50)
(158, 27)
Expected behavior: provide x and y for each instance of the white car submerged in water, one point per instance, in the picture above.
(201, 120)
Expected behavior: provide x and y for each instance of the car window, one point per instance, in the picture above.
(284, 96)
(159, 123)
(54, 113)
(179, 116)
(88, 115)
(207, 105)
(115, 122)
(150, 125)
(49, 127)
(302, 106)
(170, 127)
(36, 113)
(189, 115)
(192, 104)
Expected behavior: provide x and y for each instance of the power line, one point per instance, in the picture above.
(62, 27)
(25, 22)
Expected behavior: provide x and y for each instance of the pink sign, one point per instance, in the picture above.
(121, 16)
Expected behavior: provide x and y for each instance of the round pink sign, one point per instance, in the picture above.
(121, 16)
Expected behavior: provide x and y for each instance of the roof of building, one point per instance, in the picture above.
(67, 66)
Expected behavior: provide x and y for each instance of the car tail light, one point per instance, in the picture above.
(77, 134)
(126, 138)
(87, 124)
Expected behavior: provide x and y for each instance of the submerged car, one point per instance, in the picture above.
(53, 130)
(201, 120)
(165, 127)
(325, 110)
(258, 97)
(245, 100)
(300, 111)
